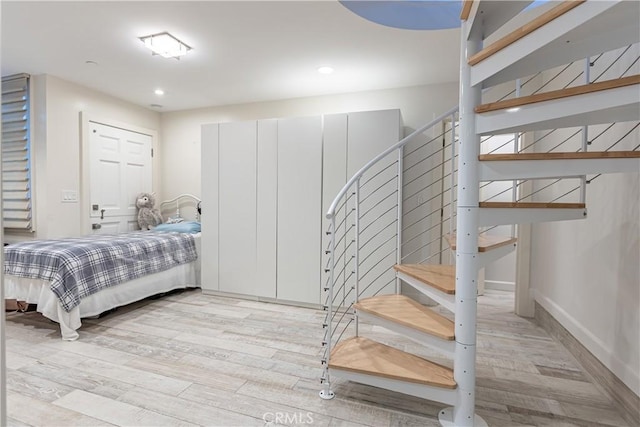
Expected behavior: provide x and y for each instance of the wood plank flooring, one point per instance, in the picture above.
(191, 359)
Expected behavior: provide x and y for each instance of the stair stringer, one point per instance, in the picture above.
(503, 170)
(436, 394)
(605, 106)
(487, 17)
(491, 252)
(489, 257)
(446, 347)
(442, 298)
(596, 26)
(506, 216)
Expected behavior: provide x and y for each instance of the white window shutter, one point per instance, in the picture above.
(16, 154)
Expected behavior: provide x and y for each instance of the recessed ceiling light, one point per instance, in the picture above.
(155, 105)
(165, 45)
(91, 62)
(325, 70)
(158, 92)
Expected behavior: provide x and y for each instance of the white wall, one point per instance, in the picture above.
(181, 130)
(56, 144)
(587, 273)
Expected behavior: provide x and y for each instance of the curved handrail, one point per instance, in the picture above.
(332, 209)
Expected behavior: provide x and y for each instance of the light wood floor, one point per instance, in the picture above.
(191, 359)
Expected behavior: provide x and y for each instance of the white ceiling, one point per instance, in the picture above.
(242, 51)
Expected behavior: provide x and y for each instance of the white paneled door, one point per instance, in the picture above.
(120, 169)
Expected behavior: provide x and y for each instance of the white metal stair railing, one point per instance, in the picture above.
(365, 235)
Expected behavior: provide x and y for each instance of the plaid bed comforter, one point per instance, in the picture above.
(78, 267)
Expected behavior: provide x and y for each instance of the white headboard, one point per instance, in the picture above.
(183, 206)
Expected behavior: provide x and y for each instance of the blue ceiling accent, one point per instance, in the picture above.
(535, 4)
(410, 15)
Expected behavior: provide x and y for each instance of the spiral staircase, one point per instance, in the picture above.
(496, 48)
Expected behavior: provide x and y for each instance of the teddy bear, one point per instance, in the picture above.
(148, 216)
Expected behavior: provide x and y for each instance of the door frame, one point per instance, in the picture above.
(85, 160)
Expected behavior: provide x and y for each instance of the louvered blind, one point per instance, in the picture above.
(16, 153)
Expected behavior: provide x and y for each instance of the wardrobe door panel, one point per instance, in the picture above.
(334, 177)
(299, 209)
(369, 134)
(237, 208)
(209, 218)
(334, 153)
(267, 205)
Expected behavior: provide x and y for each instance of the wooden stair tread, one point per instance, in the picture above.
(526, 29)
(562, 156)
(485, 243)
(532, 205)
(441, 277)
(466, 9)
(407, 312)
(557, 94)
(365, 356)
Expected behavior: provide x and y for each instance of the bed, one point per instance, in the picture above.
(74, 283)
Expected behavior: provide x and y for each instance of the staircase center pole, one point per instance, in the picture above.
(467, 266)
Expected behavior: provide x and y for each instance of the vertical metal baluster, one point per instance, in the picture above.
(327, 393)
(399, 223)
(516, 147)
(452, 181)
(356, 259)
(585, 134)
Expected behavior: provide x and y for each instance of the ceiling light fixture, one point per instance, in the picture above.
(325, 70)
(158, 92)
(165, 45)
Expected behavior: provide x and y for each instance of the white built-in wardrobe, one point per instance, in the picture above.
(266, 185)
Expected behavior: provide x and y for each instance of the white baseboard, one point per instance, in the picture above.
(498, 285)
(610, 360)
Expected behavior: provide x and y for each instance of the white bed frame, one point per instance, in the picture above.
(186, 202)
(37, 291)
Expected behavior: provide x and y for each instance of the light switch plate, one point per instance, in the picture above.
(69, 196)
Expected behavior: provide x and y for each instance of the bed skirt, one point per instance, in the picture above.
(37, 291)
